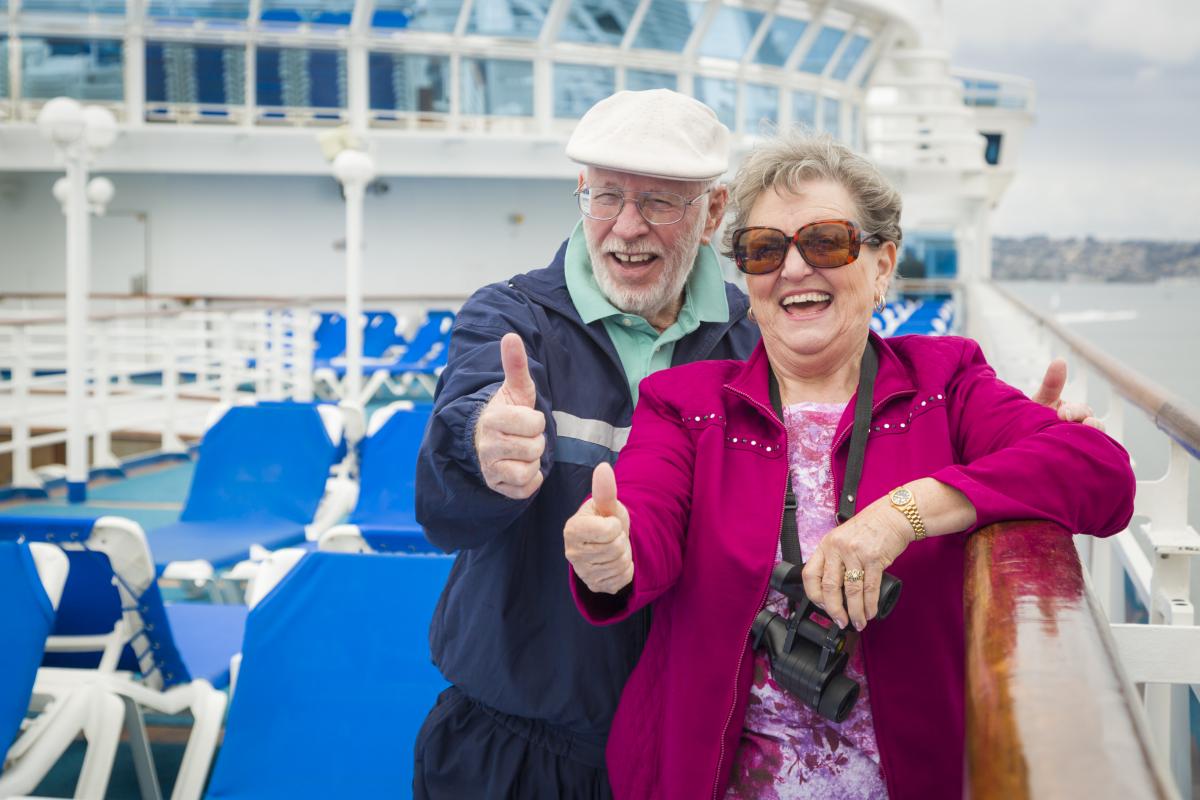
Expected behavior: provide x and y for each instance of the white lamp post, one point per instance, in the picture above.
(355, 170)
(78, 134)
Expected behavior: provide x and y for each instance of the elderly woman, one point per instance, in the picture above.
(942, 448)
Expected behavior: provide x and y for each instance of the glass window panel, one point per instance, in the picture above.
(418, 15)
(760, 109)
(855, 127)
(668, 24)
(299, 78)
(318, 12)
(598, 21)
(730, 33)
(519, 19)
(4, 90)
(804, 109)
(410, 82)
(497, 87)
(850, 57)
(86, 69)
(178, 72)
(199, 9)
(868, 73)
(578, 87)
(721, 96)
(638, 79)
(780, 41)
(73, 6)
(832, 120)
(822, 49)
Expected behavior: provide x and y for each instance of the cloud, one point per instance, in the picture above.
(1159, 31)
(1106, 200)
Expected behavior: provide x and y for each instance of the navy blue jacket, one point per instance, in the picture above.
(506, 630)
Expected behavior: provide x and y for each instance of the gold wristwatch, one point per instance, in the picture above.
(903, 501)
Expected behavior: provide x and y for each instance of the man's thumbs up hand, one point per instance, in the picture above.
(596, 539)
(509, 439)
(518, 388)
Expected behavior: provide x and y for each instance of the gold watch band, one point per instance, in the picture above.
(903, 501)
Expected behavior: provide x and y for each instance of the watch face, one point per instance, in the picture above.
(902, 496)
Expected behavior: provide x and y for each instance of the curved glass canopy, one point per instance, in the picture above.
(440, 63)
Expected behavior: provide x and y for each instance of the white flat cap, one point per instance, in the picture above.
(659, 133)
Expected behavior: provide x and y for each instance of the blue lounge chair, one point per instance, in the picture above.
(32, 577)
(422, 361)
(260, 477)
(335, 680)
(384, 518)
(114, 635)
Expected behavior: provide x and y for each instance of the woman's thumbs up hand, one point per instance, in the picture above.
(596, 539)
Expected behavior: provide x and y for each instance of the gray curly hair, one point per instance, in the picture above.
(789, 160)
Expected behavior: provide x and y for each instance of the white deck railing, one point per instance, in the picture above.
(155, 372)
(1155, 554)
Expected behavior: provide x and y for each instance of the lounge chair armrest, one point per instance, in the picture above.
(340, 497)
(344, 539)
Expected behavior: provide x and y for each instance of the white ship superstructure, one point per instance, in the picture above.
(281, 166)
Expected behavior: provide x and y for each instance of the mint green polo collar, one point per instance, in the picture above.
(704, 292)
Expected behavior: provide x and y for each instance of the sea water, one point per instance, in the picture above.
(1152, 328)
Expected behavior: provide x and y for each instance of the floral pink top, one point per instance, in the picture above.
(788, 750)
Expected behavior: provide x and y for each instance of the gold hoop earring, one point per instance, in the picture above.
(750, 314)
(880, 302)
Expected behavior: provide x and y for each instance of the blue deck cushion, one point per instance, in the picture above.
(24, 625)
(207, 636)
(269, 460)
(385, 511)
(222, 542)
(335, 680)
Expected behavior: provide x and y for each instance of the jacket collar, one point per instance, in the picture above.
(548, 287)
(892, 380)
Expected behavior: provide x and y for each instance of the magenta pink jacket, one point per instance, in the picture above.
(703, 477)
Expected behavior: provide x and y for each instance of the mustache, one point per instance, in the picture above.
(615, 245)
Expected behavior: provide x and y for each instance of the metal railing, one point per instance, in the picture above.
(144, 371)
(1050, 712)
(1154, 556)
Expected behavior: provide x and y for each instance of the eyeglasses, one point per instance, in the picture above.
(824, 244)
(657, 208)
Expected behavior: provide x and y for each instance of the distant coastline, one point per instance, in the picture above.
(1093, 260)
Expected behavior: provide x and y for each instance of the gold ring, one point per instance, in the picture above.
(854, 575)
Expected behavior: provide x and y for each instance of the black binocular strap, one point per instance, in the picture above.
(789, 538)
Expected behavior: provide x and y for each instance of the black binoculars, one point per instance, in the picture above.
(808, 658)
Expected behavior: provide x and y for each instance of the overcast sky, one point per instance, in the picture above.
(1114, 151)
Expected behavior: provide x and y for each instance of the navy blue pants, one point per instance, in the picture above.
(467, 750)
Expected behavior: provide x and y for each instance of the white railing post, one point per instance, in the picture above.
(302, 354)
(261, 368)
(229, 359)
(22, 458)
(102, 455)
(278, 339)
(171, 443)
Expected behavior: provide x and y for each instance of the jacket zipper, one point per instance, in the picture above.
(766, 588)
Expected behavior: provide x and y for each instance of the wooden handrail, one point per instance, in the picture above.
(1049, 711)
(1171, 414)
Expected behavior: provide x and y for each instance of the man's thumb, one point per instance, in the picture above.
(518, 383)
(1050, 392)
(604, 490)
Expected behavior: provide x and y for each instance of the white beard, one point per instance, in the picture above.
(646, 302)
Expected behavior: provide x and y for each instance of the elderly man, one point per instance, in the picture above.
(540, 387)
(521, 420)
